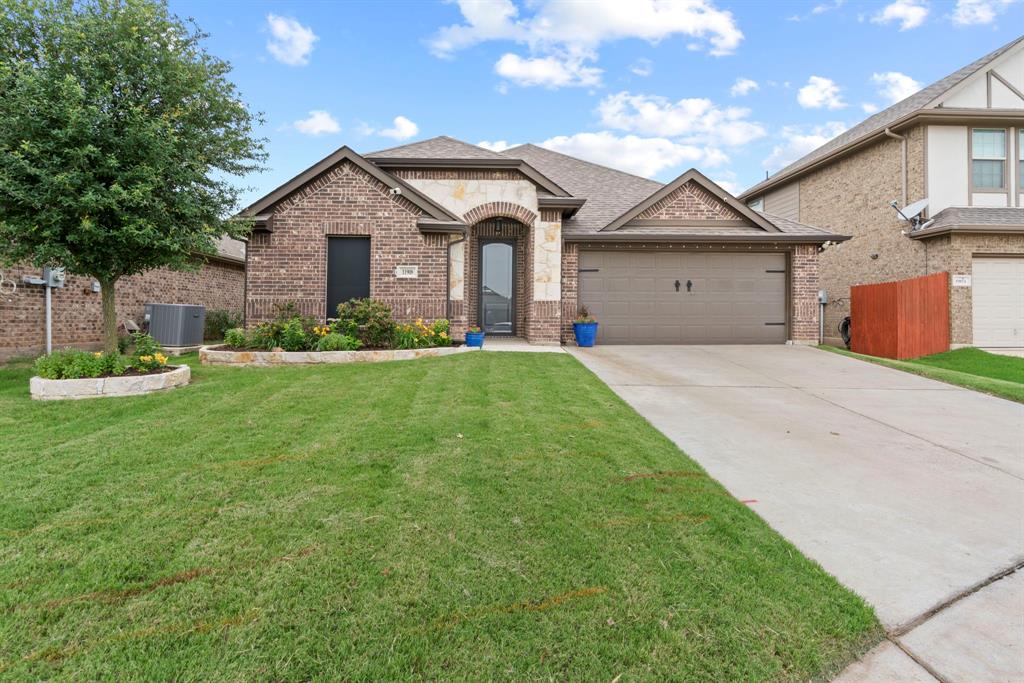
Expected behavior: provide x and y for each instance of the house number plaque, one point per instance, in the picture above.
(407, 271)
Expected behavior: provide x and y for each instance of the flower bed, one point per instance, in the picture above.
(223, 355)
(80, 374)
(363, 332)
(43, 389)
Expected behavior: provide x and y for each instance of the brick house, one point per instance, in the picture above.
(957, 143)
(219, 283)
(516, 241)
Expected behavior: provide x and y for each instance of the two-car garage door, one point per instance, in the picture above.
(666, 297)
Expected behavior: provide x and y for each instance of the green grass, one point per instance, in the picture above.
(990, 373)
(482, 516)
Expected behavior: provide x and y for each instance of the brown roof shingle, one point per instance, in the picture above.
(885, 118)
(441, 147)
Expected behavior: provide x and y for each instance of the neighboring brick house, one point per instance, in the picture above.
(77, 317)
(516, 241)
(956, 143)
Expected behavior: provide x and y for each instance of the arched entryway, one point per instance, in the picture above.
(497, 257)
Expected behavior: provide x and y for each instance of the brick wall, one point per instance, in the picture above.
(954, 254)
(851, 197)
(689, 202)
(290, 264)
(505, 229)
(77, 317)
(570, 288)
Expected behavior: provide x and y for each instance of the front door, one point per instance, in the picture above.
(348, 271)
(497, 286)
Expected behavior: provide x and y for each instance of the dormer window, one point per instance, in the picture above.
(988, 159)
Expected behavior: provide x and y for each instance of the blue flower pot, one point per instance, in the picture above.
(586, 333)
(475, 339)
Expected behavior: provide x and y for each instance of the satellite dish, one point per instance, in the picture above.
(912, 212)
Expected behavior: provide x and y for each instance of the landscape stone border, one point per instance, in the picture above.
(101, 387)
(211, 355)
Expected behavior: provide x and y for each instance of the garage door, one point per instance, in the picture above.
(685, 298)
(998, 301)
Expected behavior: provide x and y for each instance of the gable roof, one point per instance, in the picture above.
(973, 219)
(695, 176)
(877, 123)
(441, 147)
(432, 209)
(447, 152)
(608, 192)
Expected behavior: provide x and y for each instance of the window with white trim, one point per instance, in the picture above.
(756, 204)
(988, 158)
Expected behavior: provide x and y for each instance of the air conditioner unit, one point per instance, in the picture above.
(176, 324)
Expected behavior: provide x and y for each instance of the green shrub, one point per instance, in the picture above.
(294, 336)
(148, 354)
(79, 364)
(419, 335)
(338, 342)
(289, 330)
(237, 338)
(368, 320)
(218, 322)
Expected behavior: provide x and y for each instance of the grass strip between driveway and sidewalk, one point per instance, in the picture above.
(971, 368)
(484, 516)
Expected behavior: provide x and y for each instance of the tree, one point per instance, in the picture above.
(119, 138)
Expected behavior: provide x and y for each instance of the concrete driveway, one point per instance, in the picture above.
(909, 491)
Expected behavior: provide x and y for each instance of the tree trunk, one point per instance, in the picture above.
(109, 315)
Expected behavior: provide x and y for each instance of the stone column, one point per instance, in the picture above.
(457, 278)
(545, 285)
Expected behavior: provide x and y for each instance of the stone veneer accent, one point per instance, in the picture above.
(78, 318)
(100, 387)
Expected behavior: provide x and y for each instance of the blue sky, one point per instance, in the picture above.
(653, 87)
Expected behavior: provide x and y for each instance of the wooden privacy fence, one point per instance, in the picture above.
(902, 319)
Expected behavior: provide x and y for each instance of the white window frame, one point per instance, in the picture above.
(971, 159)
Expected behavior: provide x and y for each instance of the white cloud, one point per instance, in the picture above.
(549, 72)
(820, 93)
(894, 86)
(642, 156)
(973, 12)
(798, 141)
(401, 129)
(743, 86)
(318, 122)
(496, 146)
(290, 42)
(642, 67)
(569, 33)
(696, 120)
(909, 13)
(589, 24)
(869, 107)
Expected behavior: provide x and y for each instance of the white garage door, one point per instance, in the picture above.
(998, 301)
(667, 297)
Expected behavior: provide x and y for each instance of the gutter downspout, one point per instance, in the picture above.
(903, 160)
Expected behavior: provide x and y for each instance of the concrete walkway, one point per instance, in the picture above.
(909, 491)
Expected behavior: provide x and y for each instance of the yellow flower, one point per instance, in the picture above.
(97, 354)
(145, 359)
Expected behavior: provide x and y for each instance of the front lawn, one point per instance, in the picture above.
(991, 373)
(484, 516)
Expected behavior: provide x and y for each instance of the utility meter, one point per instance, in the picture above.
(822, 296)
(53, 277)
